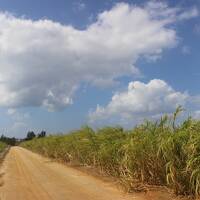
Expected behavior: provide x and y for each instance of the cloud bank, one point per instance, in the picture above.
(42, 63)
(140, 101)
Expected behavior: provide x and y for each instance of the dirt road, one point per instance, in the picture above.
(28, 176)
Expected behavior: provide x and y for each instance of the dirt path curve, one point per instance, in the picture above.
(28, 176)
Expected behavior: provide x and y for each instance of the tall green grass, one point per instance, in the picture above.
(2, 146)
(154, 153)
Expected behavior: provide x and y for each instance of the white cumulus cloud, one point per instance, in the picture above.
(42, 63)
(140, 101)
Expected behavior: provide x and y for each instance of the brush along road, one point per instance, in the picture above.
(28, 176)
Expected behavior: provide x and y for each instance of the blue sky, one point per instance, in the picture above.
(64, 64)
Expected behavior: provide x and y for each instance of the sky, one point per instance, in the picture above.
(65, 64)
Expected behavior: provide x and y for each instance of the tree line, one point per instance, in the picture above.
(12, 141)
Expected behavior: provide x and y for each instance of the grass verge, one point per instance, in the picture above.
(4, 148)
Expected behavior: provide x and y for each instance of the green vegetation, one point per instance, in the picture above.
(8, 140)
(2, 146)
(31, 135)
(154, 153)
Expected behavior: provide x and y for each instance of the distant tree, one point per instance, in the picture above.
(42, 134)
(30, 135)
